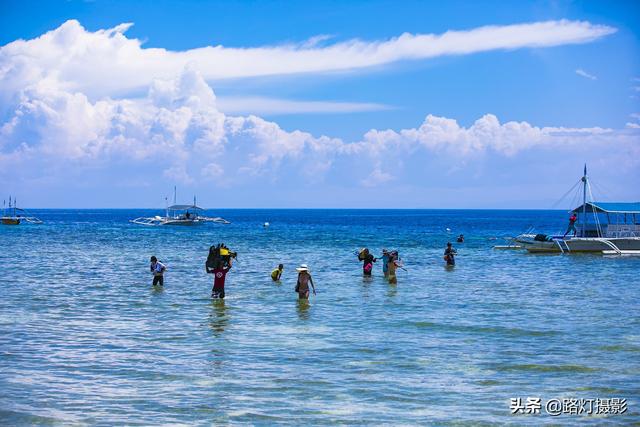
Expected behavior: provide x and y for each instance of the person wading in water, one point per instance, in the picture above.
(304, 279)
(449, 255)
(157, 269)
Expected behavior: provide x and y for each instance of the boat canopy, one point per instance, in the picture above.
(610, 207)
(185, 207)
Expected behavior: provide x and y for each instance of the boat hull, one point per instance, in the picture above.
(183, 223)
(580, 244)
(10, 221)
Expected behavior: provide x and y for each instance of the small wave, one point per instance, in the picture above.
(545, 368)
(489, 382)
(618, 347)
(485, 329)
(603, 390)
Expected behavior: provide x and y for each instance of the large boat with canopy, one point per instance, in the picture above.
(13, 215)
(180, 215)
(610, 228)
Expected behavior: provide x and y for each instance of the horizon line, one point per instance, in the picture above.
(309, 209)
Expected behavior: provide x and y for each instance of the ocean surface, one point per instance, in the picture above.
(86, 340)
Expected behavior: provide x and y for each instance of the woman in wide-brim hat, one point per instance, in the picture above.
(304, 278)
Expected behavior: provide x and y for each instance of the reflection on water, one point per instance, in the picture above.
(218, 318)
(392, 289)
(303, 309)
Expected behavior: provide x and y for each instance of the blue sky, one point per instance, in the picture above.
(304, 117)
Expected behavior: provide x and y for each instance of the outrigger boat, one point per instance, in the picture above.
(14, 215)
(615, 229)
(180, 215)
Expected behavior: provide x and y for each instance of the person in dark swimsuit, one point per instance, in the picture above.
(157, 269)
(367, 261)
(367, 264)
(449, 255)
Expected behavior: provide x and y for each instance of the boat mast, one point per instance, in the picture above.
(584, 199)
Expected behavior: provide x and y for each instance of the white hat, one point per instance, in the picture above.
(303, 267)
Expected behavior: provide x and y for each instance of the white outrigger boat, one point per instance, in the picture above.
(15, 216)
(180, 215)
(615, 229)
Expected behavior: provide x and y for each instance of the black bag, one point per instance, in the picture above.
(297, 287)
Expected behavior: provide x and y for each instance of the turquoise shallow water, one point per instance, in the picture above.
(84, 339)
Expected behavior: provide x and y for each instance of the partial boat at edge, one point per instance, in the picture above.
(615, 229)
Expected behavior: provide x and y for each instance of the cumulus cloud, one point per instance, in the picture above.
(212, 171)
(486, 133)
(107, 63)
(65, 120)
(377, 177)
(586, 75)
(177, 126)
(177, 132)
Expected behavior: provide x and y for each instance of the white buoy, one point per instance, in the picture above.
(448, 229)
(265, 225)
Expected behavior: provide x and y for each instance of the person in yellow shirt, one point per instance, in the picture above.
(275, 274)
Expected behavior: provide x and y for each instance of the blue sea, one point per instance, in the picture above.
(86, 340)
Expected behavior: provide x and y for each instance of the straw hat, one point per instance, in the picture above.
(303, 267)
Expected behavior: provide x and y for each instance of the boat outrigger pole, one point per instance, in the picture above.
(584, 199)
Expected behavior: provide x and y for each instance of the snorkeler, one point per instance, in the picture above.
(219, 276)
(449, 255)
(460, 238)
(304, 278)
(157, 269)
(277, 273)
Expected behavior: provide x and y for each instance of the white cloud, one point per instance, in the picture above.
(316, 41)
(177, 126)
(274, 106)
(212, 171)
(107, 63)
(633, 125)
(56, 126)
(486, 133)
(177, 132)
(377, 177)
(586, 75)
(178, 174)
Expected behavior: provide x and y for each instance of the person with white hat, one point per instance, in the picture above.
(304, 278)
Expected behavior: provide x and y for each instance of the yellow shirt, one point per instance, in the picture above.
(275, 274)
